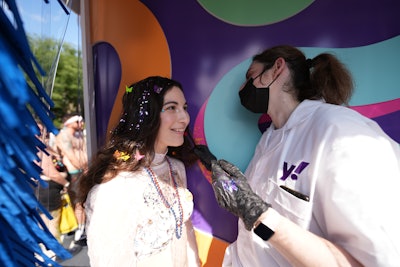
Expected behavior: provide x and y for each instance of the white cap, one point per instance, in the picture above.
(73, 119)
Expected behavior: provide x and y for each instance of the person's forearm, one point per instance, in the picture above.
(50, 171)
(303, 248)
(60, 179)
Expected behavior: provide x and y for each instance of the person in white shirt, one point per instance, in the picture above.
(135, 194)
(322, 186)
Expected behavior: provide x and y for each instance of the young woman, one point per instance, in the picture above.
(322, 186)
(136, 201)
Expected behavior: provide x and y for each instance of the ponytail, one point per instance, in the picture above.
(331, 80)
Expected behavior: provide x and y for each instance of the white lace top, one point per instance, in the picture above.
(128, 223)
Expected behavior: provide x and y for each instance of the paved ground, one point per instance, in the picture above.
(80, 259)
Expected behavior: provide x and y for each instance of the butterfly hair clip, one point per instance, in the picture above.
(121, 155)
(128, 89)
(138, 156)
(157, 89)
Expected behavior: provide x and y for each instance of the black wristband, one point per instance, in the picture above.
(263, 231)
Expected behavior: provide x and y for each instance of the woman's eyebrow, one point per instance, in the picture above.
(170, 102)
(173, 102)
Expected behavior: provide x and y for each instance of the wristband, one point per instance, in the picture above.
(267, 224)
(263, 231)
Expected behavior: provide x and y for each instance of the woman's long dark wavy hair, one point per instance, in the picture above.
(136, 131)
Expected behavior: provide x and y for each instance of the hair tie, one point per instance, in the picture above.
(309, 63)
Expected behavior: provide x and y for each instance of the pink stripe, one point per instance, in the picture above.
(200, 138)
(198, 131)
(378, 109)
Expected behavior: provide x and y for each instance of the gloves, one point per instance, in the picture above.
(234, 193)
(204, 155)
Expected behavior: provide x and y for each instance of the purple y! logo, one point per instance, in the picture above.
(293, 171)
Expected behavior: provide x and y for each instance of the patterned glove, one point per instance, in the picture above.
(234, 194)
(204, 155)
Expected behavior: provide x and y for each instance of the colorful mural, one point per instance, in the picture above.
(208, 45)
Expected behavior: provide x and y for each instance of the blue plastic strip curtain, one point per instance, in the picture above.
(21, 228)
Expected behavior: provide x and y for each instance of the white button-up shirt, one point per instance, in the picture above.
(350, 170)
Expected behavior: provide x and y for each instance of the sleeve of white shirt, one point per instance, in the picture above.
(112, 222)
(356, 197)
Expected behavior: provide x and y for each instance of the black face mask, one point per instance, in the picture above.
(253, 98)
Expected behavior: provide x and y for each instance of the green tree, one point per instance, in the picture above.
(67, 90)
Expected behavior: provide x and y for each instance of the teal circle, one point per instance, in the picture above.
(231, 130)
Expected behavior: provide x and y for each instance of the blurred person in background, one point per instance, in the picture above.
(71, 144)
(56, 176)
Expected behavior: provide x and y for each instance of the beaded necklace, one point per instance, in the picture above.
(178, 221)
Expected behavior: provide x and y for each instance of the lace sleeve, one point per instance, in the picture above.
(112, 210)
